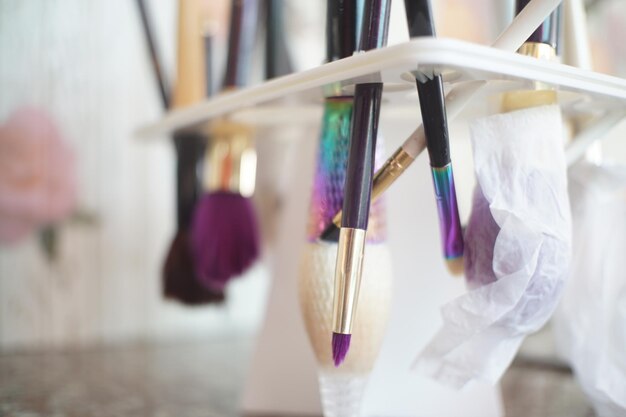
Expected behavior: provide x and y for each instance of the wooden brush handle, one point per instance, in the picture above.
(243, 24)
(277, 61)
(364, 126)
(341, 21)
(190, 65)
(548, 32)
(419, 18)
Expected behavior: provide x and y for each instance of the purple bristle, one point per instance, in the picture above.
(224, 238)
(341, 345)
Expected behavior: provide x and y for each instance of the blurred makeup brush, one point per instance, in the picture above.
(542, 44)
(432, 105)
(358, 186)
(510, 39)
(225, 235)
(179, 276)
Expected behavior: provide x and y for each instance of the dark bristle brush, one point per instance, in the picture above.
(358, 186)
(432, 105)
(180, 282)
(225, 236)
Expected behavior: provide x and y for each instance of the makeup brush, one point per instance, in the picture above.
(358, 186)
(179, 277)
(432, 105)
(225, 235)
(542, 44)
(341, 389)
(510, 39)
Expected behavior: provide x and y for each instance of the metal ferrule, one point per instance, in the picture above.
(347, 278)
(386, 175)
(541, 94)
(538, 50)
(230, 159)
(447, 208)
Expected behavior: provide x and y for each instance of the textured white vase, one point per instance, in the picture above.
(342, 388)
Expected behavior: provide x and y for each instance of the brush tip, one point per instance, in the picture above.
(331, 233)
(341, 345)
(455, 266)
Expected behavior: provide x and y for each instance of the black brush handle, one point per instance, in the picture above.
(430, 90)
(277, 61)
(360, 169)
(243, 24)
(364, 124)
(375, 24)
(432, 106)
(548, 32)
(341, 21)
(419, 18)
(189, 146)
(154, 55)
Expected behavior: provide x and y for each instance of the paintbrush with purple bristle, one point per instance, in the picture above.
(225, 233)
(358, 186)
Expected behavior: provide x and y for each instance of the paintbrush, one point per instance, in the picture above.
(179, 276)
(432, 105)
(225, 236)
(341, 390)
(358, 186)
(510, 39)
(541, 44)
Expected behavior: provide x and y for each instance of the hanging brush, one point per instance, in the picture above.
(432, 105)
(358, 185)
(341, 389)
(542, 44)
(225, 235)
(179, 278)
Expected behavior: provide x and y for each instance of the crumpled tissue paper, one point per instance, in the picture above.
(590, 323)
(518, 247)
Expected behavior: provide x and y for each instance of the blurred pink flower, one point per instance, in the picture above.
(37, 180)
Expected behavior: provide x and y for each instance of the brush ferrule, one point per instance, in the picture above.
(385, 176)
(347, 278)
(538, 50)
(541, 93)
(230, 159)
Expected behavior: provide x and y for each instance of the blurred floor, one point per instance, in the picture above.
(203, 380)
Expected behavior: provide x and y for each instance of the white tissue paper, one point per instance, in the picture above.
(590, 323)
(517, 247)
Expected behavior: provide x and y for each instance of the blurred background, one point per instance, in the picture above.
(84, 238)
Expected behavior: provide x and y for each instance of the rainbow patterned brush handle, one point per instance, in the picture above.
(330, 172)
(449, 222)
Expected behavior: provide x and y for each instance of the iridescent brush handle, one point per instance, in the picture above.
(449, 222)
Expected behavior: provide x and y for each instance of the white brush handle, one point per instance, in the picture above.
(524, 24)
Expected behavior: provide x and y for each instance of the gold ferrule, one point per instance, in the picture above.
(538, 50)
(231, 159)
(385, 176)
(541, 94)
(348, 270)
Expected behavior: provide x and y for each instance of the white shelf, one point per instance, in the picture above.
(580, 91)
